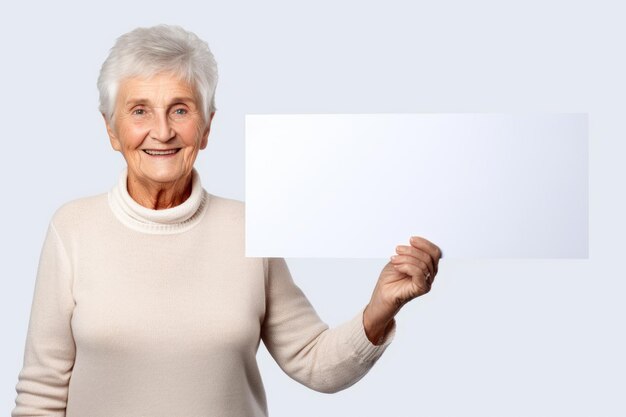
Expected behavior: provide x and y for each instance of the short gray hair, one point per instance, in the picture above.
(149, 51)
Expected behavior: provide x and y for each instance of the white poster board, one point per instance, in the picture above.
(357, 185)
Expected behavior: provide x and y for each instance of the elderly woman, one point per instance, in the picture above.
(144, 302)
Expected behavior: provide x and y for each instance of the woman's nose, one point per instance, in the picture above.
(161, 129)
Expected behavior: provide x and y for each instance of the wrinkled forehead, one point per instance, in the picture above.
(156, 90)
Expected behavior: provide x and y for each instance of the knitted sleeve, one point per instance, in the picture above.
(323, 359)
(49, 352)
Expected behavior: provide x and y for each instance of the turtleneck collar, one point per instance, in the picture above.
(167, 221)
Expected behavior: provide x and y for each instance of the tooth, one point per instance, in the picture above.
(168, 152)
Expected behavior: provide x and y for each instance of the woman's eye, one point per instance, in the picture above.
(180, 111)
(139, 112)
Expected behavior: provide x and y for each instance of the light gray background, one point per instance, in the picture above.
(493, 338)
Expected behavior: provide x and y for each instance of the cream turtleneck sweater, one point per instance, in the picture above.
(158, 313)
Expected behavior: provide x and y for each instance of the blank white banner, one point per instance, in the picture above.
(357, 185)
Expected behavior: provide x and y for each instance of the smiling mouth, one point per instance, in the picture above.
(155, 152)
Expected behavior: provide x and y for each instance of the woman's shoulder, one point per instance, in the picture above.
(78, 210)
(226, 206)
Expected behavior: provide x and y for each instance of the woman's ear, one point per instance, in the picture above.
(115, 143)
(205, 134)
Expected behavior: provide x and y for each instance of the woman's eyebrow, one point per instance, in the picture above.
(182, 99)
(136, 101)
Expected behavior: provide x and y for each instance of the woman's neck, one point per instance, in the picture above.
(159, 196)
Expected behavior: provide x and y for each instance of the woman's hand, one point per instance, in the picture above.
(409, 274)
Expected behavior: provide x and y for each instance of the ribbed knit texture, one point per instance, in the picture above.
(158, 313)
(172, 220)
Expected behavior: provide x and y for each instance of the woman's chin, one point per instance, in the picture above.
(162, 175)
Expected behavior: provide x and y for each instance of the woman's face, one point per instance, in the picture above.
(159, 128)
